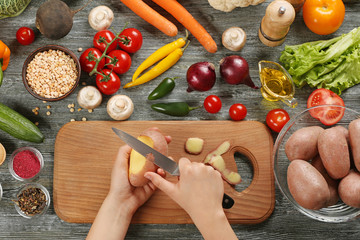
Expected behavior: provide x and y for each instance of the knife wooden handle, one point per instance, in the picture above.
(227, 201)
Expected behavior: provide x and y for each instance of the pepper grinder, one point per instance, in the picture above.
(276, 23)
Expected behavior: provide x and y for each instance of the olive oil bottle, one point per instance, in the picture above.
(276, 83)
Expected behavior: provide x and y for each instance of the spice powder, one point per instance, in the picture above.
(26, 164)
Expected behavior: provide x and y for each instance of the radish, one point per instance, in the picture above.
(235, 70)
(201, 76)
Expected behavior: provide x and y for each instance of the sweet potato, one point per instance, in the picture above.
(334, 152)
(307, 186)
(349, 189)
(354, 138)
(302, 144)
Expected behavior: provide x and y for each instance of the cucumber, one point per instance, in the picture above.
(19, 126)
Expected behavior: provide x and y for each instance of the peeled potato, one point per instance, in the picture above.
(138, 164)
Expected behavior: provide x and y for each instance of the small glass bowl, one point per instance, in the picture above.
(1, 192)
(38, 155)
(339, 212)
(47, 195)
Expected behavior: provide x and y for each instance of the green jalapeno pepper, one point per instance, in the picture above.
(165, 87)
(178, 109)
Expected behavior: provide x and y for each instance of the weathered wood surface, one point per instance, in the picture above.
(284, 223)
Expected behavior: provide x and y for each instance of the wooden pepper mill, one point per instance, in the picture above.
(276, 23)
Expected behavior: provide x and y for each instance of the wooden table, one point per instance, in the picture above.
(285, 222)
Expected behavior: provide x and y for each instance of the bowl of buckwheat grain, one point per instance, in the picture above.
(51, 73)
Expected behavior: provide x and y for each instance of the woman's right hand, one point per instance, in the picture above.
(199, 191)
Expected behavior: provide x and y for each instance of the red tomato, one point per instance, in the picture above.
(25, 35)
(88, 66)
(323, 16)
(327, 115)
(108, 86)
(212, 104)
(123, 61)
(276, 119)
(100, 38)
(130, 40)
(237, 112)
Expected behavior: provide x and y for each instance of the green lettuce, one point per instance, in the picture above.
(332, 64)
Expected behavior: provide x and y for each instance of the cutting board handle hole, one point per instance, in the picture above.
(245, 169)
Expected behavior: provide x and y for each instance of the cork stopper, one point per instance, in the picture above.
(276, 23)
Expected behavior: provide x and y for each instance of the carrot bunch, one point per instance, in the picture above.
(180, 13)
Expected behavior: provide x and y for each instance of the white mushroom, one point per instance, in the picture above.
(100, 18)
(120, 107)
(89, 97)
(234, 38)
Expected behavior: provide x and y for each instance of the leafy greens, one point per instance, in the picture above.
(333, 64)
(12, 8)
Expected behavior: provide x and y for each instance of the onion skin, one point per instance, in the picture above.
(235, 70)
(201, 77)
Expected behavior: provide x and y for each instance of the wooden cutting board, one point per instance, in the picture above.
(85, 151)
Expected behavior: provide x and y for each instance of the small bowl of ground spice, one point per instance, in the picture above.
(26, 163)
(51, 73)
(32, 200)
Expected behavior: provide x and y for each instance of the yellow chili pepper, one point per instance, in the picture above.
(4, 59)
(160, 54)
(159, 68)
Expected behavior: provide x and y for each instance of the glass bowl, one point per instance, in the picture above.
(11, 161)
(43, 49)
(1, 191)
(339, 212)
(47, 197)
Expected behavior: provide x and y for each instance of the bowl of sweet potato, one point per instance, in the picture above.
(317, 166)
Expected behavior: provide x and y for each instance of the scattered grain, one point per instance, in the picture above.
(90, 110)
(48, 113)
(72, 120)
(48, 106)
(80, 49)
(37, 123)
(79, 109)
(83, 119)
(72, 109)
(83, 83)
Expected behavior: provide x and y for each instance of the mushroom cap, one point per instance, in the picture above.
(100, 18)
(89, 97)
(120, 107)
(234, 38)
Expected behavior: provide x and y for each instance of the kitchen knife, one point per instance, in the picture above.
(159, 159)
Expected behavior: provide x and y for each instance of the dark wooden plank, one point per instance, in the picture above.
(284, 223)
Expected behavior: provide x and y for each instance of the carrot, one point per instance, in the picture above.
(151, 16)
(189, 22)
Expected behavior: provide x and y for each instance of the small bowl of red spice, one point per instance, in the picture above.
(26, 163)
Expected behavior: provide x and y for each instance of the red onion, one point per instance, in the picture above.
(235, 70)
(201, 76)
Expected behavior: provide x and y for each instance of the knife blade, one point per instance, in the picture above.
(160, 160)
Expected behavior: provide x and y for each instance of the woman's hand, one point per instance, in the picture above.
(121, 190)
(199, 192)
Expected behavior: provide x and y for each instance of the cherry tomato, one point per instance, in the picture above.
(237, 112)
(323, 16)
(88, 66)
(212, 104)
(123, 61)
(25, 35)
(276, 119)
(109, 86)
(100, 38)
(327, 115)
(130, 40)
